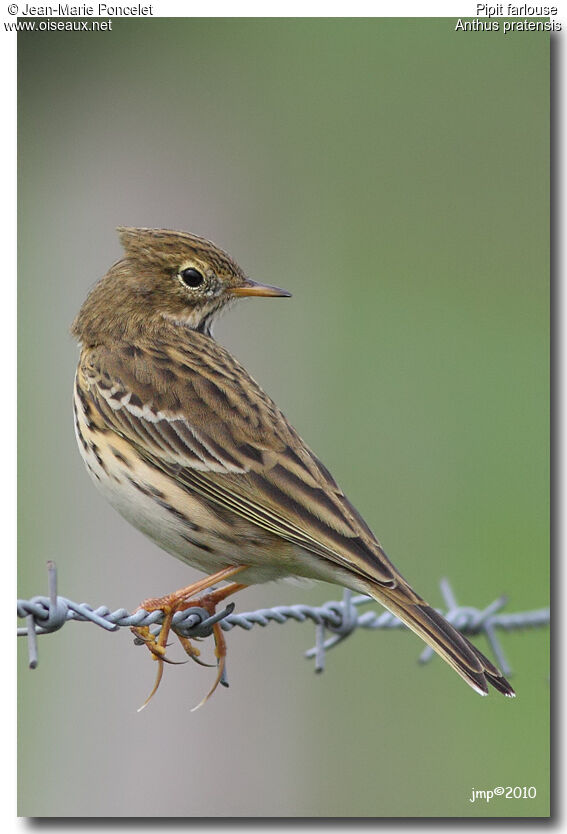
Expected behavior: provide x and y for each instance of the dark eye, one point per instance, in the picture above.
(191, 277)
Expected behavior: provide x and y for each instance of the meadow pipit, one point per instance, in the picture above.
(188, 448)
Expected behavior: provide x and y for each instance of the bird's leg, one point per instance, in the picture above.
(179, 601)
(209, 602)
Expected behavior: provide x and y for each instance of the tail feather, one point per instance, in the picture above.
(438, 633)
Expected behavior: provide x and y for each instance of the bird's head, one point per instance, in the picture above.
(168, 276)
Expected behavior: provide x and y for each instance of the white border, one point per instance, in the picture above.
(184, 8)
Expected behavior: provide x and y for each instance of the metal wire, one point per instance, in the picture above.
(45, 615)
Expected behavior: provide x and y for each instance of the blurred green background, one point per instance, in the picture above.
(394, 175)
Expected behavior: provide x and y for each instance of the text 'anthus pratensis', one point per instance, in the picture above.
(189, 449)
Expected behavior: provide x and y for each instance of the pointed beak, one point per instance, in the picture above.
(252, 288)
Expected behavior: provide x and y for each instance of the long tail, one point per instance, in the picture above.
(459, 653)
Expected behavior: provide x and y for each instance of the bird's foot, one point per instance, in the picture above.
(181, 600)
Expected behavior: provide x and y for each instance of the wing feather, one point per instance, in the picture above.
(198, 416)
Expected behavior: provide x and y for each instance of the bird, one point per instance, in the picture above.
(188, 448)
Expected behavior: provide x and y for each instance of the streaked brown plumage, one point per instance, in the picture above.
(189, 448)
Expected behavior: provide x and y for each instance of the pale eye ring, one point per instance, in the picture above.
(191, 277)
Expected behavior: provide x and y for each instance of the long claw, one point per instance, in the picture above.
(157, 650)
(201, 662)
(220, 651)
(155, 687)
(214, 686)
(192, 650)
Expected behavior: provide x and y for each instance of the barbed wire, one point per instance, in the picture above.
(47, 614)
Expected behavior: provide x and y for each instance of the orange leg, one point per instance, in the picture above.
(210, 602)
(180, 601)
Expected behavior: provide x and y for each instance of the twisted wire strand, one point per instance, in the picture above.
(46, 614)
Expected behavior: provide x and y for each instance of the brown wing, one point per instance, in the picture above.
(195, 413)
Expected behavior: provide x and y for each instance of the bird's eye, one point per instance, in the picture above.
(191, 277)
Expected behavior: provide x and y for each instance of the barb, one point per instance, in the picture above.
(45, 615)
